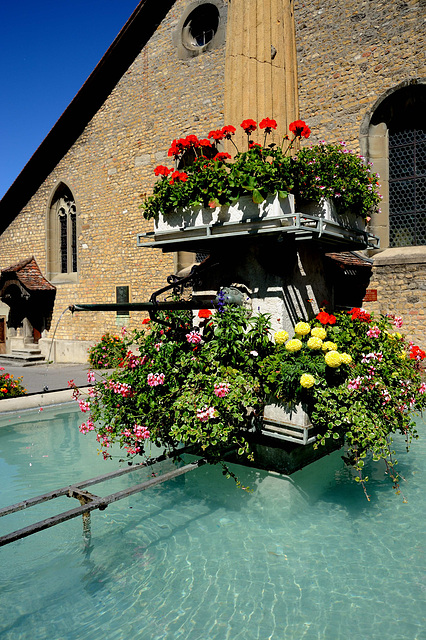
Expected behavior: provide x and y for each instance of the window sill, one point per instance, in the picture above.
(64, 278)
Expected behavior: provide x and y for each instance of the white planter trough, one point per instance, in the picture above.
(326, 210)
(288, 422)
(274, 215)
(242, 216)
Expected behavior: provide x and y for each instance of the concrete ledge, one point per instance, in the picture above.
(36, 401)
(400, 255)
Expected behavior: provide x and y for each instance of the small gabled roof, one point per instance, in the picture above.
(347, 259)
(126, 47)
(29, 275)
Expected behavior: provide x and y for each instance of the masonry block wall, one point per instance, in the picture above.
(110, 167)
(349, 54)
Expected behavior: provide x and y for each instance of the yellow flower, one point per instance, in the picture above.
(280, 337)
(403, 355)
(307, 381)
(333, 359)
(302, 328)
(314, 343)
(293, 345)
(319, 332)
(329, 346)
(346, 358)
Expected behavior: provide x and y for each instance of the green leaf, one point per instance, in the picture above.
(257, 197)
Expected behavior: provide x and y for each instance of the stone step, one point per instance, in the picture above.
(23, 358)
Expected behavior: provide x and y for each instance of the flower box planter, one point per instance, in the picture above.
(242, 216)
(288, 422)
(197, 227)
(326, 210)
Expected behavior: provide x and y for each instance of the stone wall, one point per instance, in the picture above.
(110, 167)
(399, 276)
(349, 54)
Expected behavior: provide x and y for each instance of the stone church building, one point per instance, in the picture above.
(353, 70)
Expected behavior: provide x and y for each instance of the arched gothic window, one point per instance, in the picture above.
(397, 147)
(63, 233)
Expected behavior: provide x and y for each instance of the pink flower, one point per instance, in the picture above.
(205, 413)
(141, 433)
(155, 379)
(373, 332)
(422, 388)
(91, 377)
(355, 384)
(87, 426)
(221, 389)
(397, 321)
(193, 337)
(84, 406)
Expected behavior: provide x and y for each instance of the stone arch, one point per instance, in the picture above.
(388, 131)
(62, 234)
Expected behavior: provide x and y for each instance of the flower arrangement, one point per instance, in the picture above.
(10, 387)
(358, 377)
(108, 352)
(212, 178)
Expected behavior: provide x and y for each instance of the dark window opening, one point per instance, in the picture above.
(63, 234)
(404, 113)
(407, 188)
(201, 26)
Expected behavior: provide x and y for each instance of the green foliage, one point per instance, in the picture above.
(10, 387)
(332, 171)
(315, 172)
(358, 378)
(108, 352)
(211, 183)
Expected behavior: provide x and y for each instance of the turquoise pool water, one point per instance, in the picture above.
(301, 557)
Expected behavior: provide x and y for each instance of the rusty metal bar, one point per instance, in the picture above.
(97, 503)
(65, 491)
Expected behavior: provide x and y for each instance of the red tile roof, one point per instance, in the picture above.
(350, 259)
(29, 275)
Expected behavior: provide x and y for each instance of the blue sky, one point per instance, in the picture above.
(47, 51)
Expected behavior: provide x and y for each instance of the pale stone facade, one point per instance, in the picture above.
(331, 63)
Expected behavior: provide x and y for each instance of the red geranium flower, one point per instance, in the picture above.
(161, 170)
(146, 321)
(192, 141)
(268, 124)
(223, 156)
(326, 318)
(204, 313)
(228, 131)
(178, 175)
(253, 145)
(359, 314)
(205, 143)
(248, 126)
(416, 353)
(300, 129)
(216, 135)
(178, 147)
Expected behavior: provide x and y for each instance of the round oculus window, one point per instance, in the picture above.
(200, 27)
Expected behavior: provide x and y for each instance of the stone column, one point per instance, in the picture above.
(261, 66)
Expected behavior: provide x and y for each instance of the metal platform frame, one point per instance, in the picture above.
(300, 225)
